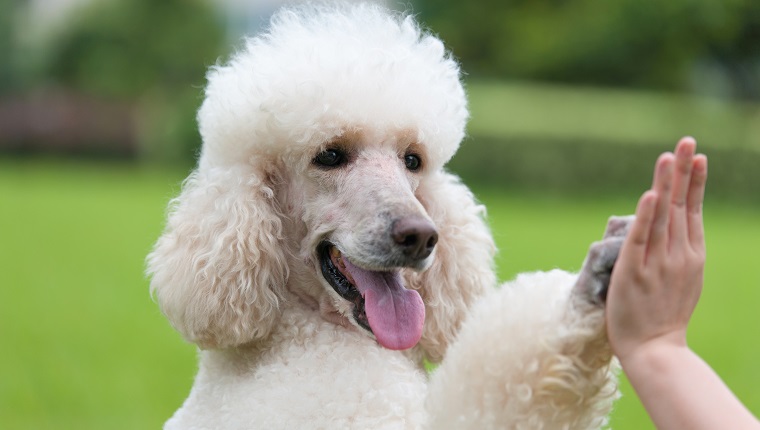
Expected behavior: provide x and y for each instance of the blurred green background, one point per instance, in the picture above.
(571, 101)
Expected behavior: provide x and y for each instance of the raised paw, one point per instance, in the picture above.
(618, 226)
(594, 277)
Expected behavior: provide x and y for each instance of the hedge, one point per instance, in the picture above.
(534, 137)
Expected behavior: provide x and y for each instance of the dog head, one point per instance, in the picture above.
(321, 173)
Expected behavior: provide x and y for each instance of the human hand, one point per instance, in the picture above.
(657, 279)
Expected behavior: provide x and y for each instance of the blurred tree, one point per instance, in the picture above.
(150, 53)
(8, 9)
(677, 44)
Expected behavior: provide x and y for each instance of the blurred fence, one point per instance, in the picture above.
(66, 122)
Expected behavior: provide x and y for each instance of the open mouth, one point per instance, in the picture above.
(331, 262)
(382, 305)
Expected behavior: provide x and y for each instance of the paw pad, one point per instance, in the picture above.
(594, 277)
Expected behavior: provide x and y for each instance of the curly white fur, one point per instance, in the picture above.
(237, 269)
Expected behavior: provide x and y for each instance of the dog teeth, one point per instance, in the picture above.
(335, 256)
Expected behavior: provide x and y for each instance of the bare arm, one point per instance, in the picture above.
(654, 289)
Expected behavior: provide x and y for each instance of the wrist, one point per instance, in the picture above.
(657, 355)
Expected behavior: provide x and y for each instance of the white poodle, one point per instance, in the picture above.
(320, 253)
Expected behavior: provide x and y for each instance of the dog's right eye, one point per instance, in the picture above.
(330, 158)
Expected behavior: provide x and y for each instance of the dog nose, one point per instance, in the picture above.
(415, 235)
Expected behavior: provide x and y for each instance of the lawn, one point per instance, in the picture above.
(84, 346)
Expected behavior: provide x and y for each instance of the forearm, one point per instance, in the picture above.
(680, 391)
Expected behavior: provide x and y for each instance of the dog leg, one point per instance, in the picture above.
(534, 354)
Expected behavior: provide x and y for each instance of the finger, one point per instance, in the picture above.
(694, 202)
(662, 185)
(681, 180)
(635, 245)
(684, 154)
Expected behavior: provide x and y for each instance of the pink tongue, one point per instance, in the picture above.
(395, 314)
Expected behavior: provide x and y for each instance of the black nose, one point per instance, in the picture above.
(415, 235)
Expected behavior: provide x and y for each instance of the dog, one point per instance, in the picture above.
(320, 254)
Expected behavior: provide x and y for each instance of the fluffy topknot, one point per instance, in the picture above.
(322, 69)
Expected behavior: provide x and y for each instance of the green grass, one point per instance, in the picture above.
(84, 346)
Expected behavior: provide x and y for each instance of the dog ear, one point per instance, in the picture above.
(219, 269)
(463, 267)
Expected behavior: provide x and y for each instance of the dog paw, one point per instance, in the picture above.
(594, 277)
(618, 226)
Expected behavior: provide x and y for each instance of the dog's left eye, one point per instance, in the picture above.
(330, 158)
(412, 162)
